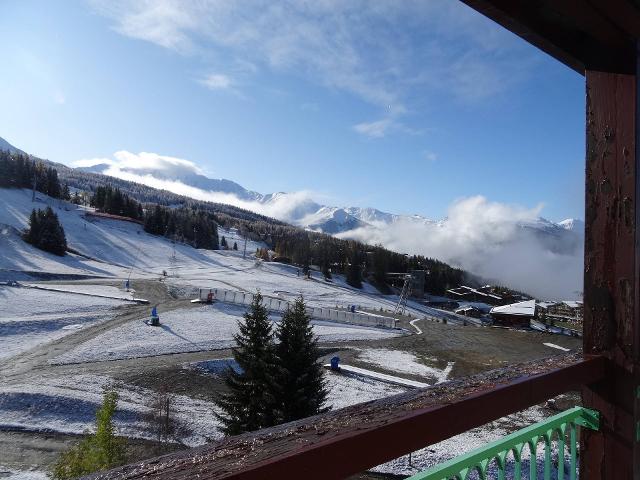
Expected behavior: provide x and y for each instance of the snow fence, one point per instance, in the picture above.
(317, 313)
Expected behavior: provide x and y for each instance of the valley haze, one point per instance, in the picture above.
(508, 244)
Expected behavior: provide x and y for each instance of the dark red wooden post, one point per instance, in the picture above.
(611, 280)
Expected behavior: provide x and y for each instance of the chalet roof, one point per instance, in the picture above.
(572, 303)
(527, 308)
(463, 290)
(547, 304)
(468, 308)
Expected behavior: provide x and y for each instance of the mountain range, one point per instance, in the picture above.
(311, 215)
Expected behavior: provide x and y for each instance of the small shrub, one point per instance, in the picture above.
(99, 451)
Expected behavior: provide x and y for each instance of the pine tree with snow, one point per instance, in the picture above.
(250, 403)
(302, 391)
(45, 232)
(33, 233)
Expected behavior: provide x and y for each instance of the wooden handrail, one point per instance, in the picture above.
(350, 440)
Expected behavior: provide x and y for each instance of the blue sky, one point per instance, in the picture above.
(404, 106)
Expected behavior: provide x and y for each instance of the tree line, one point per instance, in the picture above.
(356, 260)
(186, 225)
(20, 171)
(111, 200)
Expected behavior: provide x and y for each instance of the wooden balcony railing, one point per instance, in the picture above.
(353, 439)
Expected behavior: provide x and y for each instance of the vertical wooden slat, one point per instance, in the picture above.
(636, 339)
(611, 273)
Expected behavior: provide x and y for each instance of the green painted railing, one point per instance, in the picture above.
(496, 456)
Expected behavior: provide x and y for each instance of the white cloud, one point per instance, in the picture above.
(124, 160)
(217, 81)
(389, 54)
(163, 22)
(376, 129)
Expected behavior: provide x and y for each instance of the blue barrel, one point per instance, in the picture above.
(335, 363)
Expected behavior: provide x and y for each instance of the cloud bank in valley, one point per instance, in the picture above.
(490, 239)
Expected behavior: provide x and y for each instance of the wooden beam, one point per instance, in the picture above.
(347, 441)
(612, 271)
(582, 34)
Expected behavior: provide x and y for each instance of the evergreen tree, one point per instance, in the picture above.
(99, 451)
(380, 265)
(250, 403)
(326, 271)
(302, 391)
(354, 275)
(65, 193)
(45, 232)
(33, 233)
(223, 243)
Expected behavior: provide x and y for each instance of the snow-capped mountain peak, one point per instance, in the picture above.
(572, 224)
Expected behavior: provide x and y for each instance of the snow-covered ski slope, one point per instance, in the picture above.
(106, 247)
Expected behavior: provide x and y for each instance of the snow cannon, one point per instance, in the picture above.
(155, 319)
(335, 364)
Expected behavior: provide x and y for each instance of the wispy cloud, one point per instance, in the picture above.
(217, 81)
(389, 54)
(430, 156)
(163, 22)
(376, 129)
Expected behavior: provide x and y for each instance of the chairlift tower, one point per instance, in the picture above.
(173, 260)
(404, 296)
